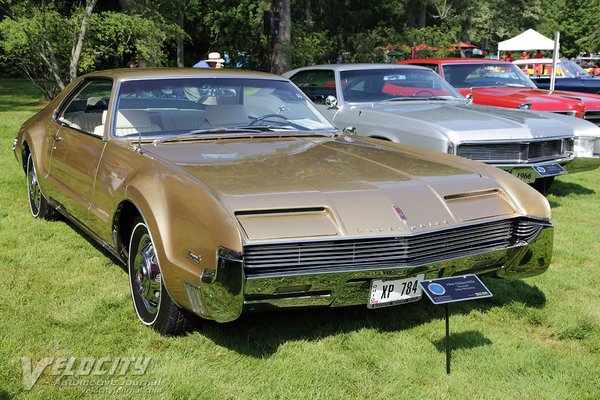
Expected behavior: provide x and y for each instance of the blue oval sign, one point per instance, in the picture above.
(436, 288)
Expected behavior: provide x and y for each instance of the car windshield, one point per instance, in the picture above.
(391, 84)
(574, 68)
(485, 75)
(175, 106)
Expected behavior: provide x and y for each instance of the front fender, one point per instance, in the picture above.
(188, 226)
(395, 128)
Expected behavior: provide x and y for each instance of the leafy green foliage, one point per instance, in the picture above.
(115, 37)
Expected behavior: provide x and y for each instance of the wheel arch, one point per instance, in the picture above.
(122, 226)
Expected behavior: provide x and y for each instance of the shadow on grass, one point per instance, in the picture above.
(562, 189)
(4, 395)
(60, 218)
(462, 340)
(259, 334)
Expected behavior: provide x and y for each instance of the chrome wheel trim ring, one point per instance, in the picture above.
(33, 188)
(145, 277)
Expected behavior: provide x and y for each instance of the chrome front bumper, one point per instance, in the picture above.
(527, 172)
(231, 292)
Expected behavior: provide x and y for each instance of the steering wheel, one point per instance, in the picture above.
(263, 117)
(429, 92)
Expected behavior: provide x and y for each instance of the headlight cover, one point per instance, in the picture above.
(584, 146)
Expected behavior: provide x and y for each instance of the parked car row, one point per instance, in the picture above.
(569, 75)
(413, 105)
(503, 84)
(226, 192)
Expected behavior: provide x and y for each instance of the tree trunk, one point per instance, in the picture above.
(282, 42)
(422, 14)
(180, 21)
(78, 46)
(308, 12)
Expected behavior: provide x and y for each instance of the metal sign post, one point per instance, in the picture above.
(452, 290)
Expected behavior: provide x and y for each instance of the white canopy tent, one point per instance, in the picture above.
(529, 40)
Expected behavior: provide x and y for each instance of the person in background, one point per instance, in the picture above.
(509, 57)
(538, 54)
(201, 64)
(214, 60)
(525, 55)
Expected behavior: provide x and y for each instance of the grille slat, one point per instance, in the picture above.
(400, 250)
(516, 152)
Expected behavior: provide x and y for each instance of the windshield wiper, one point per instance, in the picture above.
(413, 98)
(237, 129)
(268, 128)
(206, 131)
(400, 98)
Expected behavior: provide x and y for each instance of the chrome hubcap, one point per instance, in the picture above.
(35, 195)
(147, 279)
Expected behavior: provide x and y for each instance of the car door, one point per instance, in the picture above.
(77, 148)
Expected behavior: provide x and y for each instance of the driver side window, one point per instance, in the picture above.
(87, 110)
(317, 84)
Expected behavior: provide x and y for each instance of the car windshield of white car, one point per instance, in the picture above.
(374, 85)
(162, 108)
(485, 75)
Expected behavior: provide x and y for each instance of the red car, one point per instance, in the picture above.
(502, 84)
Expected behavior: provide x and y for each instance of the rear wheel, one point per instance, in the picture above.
(542, 185)
(37, 202)
(152, 304)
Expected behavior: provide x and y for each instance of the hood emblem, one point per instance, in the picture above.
(400, 213)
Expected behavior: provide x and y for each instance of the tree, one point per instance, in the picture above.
(282, 41)
(42, 31)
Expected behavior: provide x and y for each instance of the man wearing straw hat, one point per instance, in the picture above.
(214, 60)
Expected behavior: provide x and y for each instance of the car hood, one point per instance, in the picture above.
(470, 122)
(557, 100)
(342, 187)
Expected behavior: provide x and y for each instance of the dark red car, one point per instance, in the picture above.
(502, 84)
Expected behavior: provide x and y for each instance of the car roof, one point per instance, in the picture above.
(155, 73)
(455, 61)
(349, 66)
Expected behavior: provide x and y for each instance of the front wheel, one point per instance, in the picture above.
(152, 304)
(37, 202)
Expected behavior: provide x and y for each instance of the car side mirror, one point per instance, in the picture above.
(331, 101)
(469, 98)
(350, 130)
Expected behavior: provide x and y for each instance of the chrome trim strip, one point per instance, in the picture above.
(521, 141)
(441, 229)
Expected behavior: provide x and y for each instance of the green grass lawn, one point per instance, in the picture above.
(60, 296)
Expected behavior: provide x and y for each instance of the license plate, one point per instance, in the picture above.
(390, 292)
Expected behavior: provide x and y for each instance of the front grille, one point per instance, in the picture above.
(592, 116)
(521, 152)
(526, 231)
(411, 250)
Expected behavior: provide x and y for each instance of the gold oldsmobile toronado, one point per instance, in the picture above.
(226, 192)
